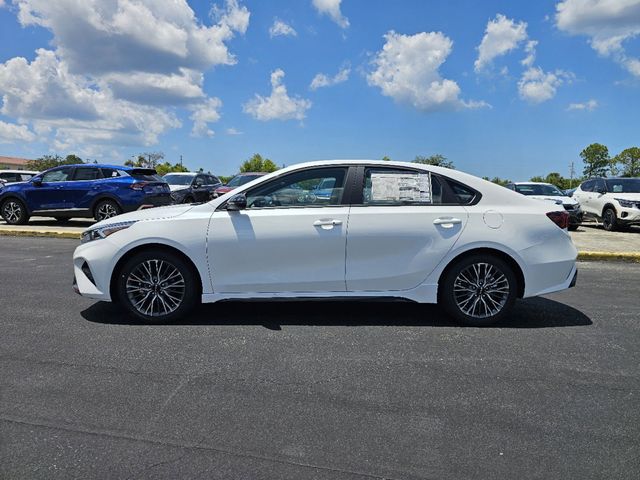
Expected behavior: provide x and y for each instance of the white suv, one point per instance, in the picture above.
(614, 201)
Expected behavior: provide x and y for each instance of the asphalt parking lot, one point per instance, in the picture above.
(315, 389)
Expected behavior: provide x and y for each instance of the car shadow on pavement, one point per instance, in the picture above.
(273, 315)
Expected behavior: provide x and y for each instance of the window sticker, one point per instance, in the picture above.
(617, 189)
(401, 187)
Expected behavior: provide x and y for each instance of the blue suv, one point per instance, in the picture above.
(90, 190)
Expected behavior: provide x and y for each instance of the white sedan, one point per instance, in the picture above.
(379, 229)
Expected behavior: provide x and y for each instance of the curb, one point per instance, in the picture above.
(633, 257)
(40, 233)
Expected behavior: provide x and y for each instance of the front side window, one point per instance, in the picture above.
(60, 175)
(587, 186)
(9, 177)
(199, 181)
(309, 188)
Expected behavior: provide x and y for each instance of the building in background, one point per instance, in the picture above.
(13, 163)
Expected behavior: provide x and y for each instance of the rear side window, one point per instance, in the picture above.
(587, 186)
(145, 175)
(386, 186)
(86, 173)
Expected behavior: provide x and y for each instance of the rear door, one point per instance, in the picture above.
(583, 195)
(83, 189)
(400, 228)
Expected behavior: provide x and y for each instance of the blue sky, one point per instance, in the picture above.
(217, 82)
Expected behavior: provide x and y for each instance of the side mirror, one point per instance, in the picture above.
(601, 191)
(37, 182)
(237, 202)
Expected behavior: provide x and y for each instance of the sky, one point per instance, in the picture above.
(501, 88)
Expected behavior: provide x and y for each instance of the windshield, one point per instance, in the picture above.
(623, 185)
(241, 180)
(172, 179)
(539, 189)
(145, 175)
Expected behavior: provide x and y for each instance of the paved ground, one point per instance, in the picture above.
(315, 390)
(588, 238)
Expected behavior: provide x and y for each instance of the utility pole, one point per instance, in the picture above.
(572, 172)
(180, 160)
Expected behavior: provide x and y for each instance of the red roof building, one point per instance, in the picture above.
(13, 163)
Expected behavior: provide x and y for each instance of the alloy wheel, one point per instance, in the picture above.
(106, 210)
(481, 290)
(155, 288)
(12, 211)
(608, 220)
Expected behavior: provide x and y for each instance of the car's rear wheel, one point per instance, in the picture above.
(478, 290)
(14, 212)
(609, 220)
(157, 286)
(106, 209)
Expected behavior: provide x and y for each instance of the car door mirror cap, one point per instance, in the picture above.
(237, 202)
(37, 182)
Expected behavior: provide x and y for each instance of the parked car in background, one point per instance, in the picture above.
(191, 187)
(15, 176)
(613, 201)
(569, 191)
(418, 232)
(87, 190)
(237, 181)
(551, 193)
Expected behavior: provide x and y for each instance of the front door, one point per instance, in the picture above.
(287, 239)
(50, 194)
(400, 231)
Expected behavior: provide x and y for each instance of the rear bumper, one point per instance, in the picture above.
(148, 201)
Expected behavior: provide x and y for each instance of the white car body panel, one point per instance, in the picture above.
(594, 203)
(393, 251)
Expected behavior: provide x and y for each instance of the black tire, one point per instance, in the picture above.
(105, 209)
(129, 291)
(14, 212)
(461, 298)
(609, 220)
(573, 228)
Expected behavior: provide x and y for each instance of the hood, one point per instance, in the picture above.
(155, 213)
(555, 198)
(175, 188)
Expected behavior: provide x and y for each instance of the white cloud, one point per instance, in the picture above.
(607, 23)
(280, 28)
(332, 9)
(537, 86)
(530, 50)
(406, 69)
(118, 70)
(10, 132)
(203, 114)
(502, 35)
(588, 105)
(279, 105)
(322, 80)
(233, 131)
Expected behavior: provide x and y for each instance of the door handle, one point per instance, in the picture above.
(447, 222)
(327, 223)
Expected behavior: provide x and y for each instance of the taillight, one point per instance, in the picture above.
(561, 219)
(138, 186)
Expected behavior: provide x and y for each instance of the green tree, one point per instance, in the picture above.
(436, 160)
(49, 161)
(146, 160)
(258, 164)
(596, 160)
(224, 179)
(386, 158)
(497, 180)
(166, 167)
(629, 160)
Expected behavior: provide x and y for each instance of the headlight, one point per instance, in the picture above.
(105, 231)
(627, 203)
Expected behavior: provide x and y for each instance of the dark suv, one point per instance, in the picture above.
(191, 187)
(98, 191)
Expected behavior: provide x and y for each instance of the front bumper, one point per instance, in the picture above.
(629, 216)
(92, 266)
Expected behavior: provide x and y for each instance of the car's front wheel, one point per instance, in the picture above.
(14, 212)
(478, 290)
(157, 286)
(106, 209)
(609, 220)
